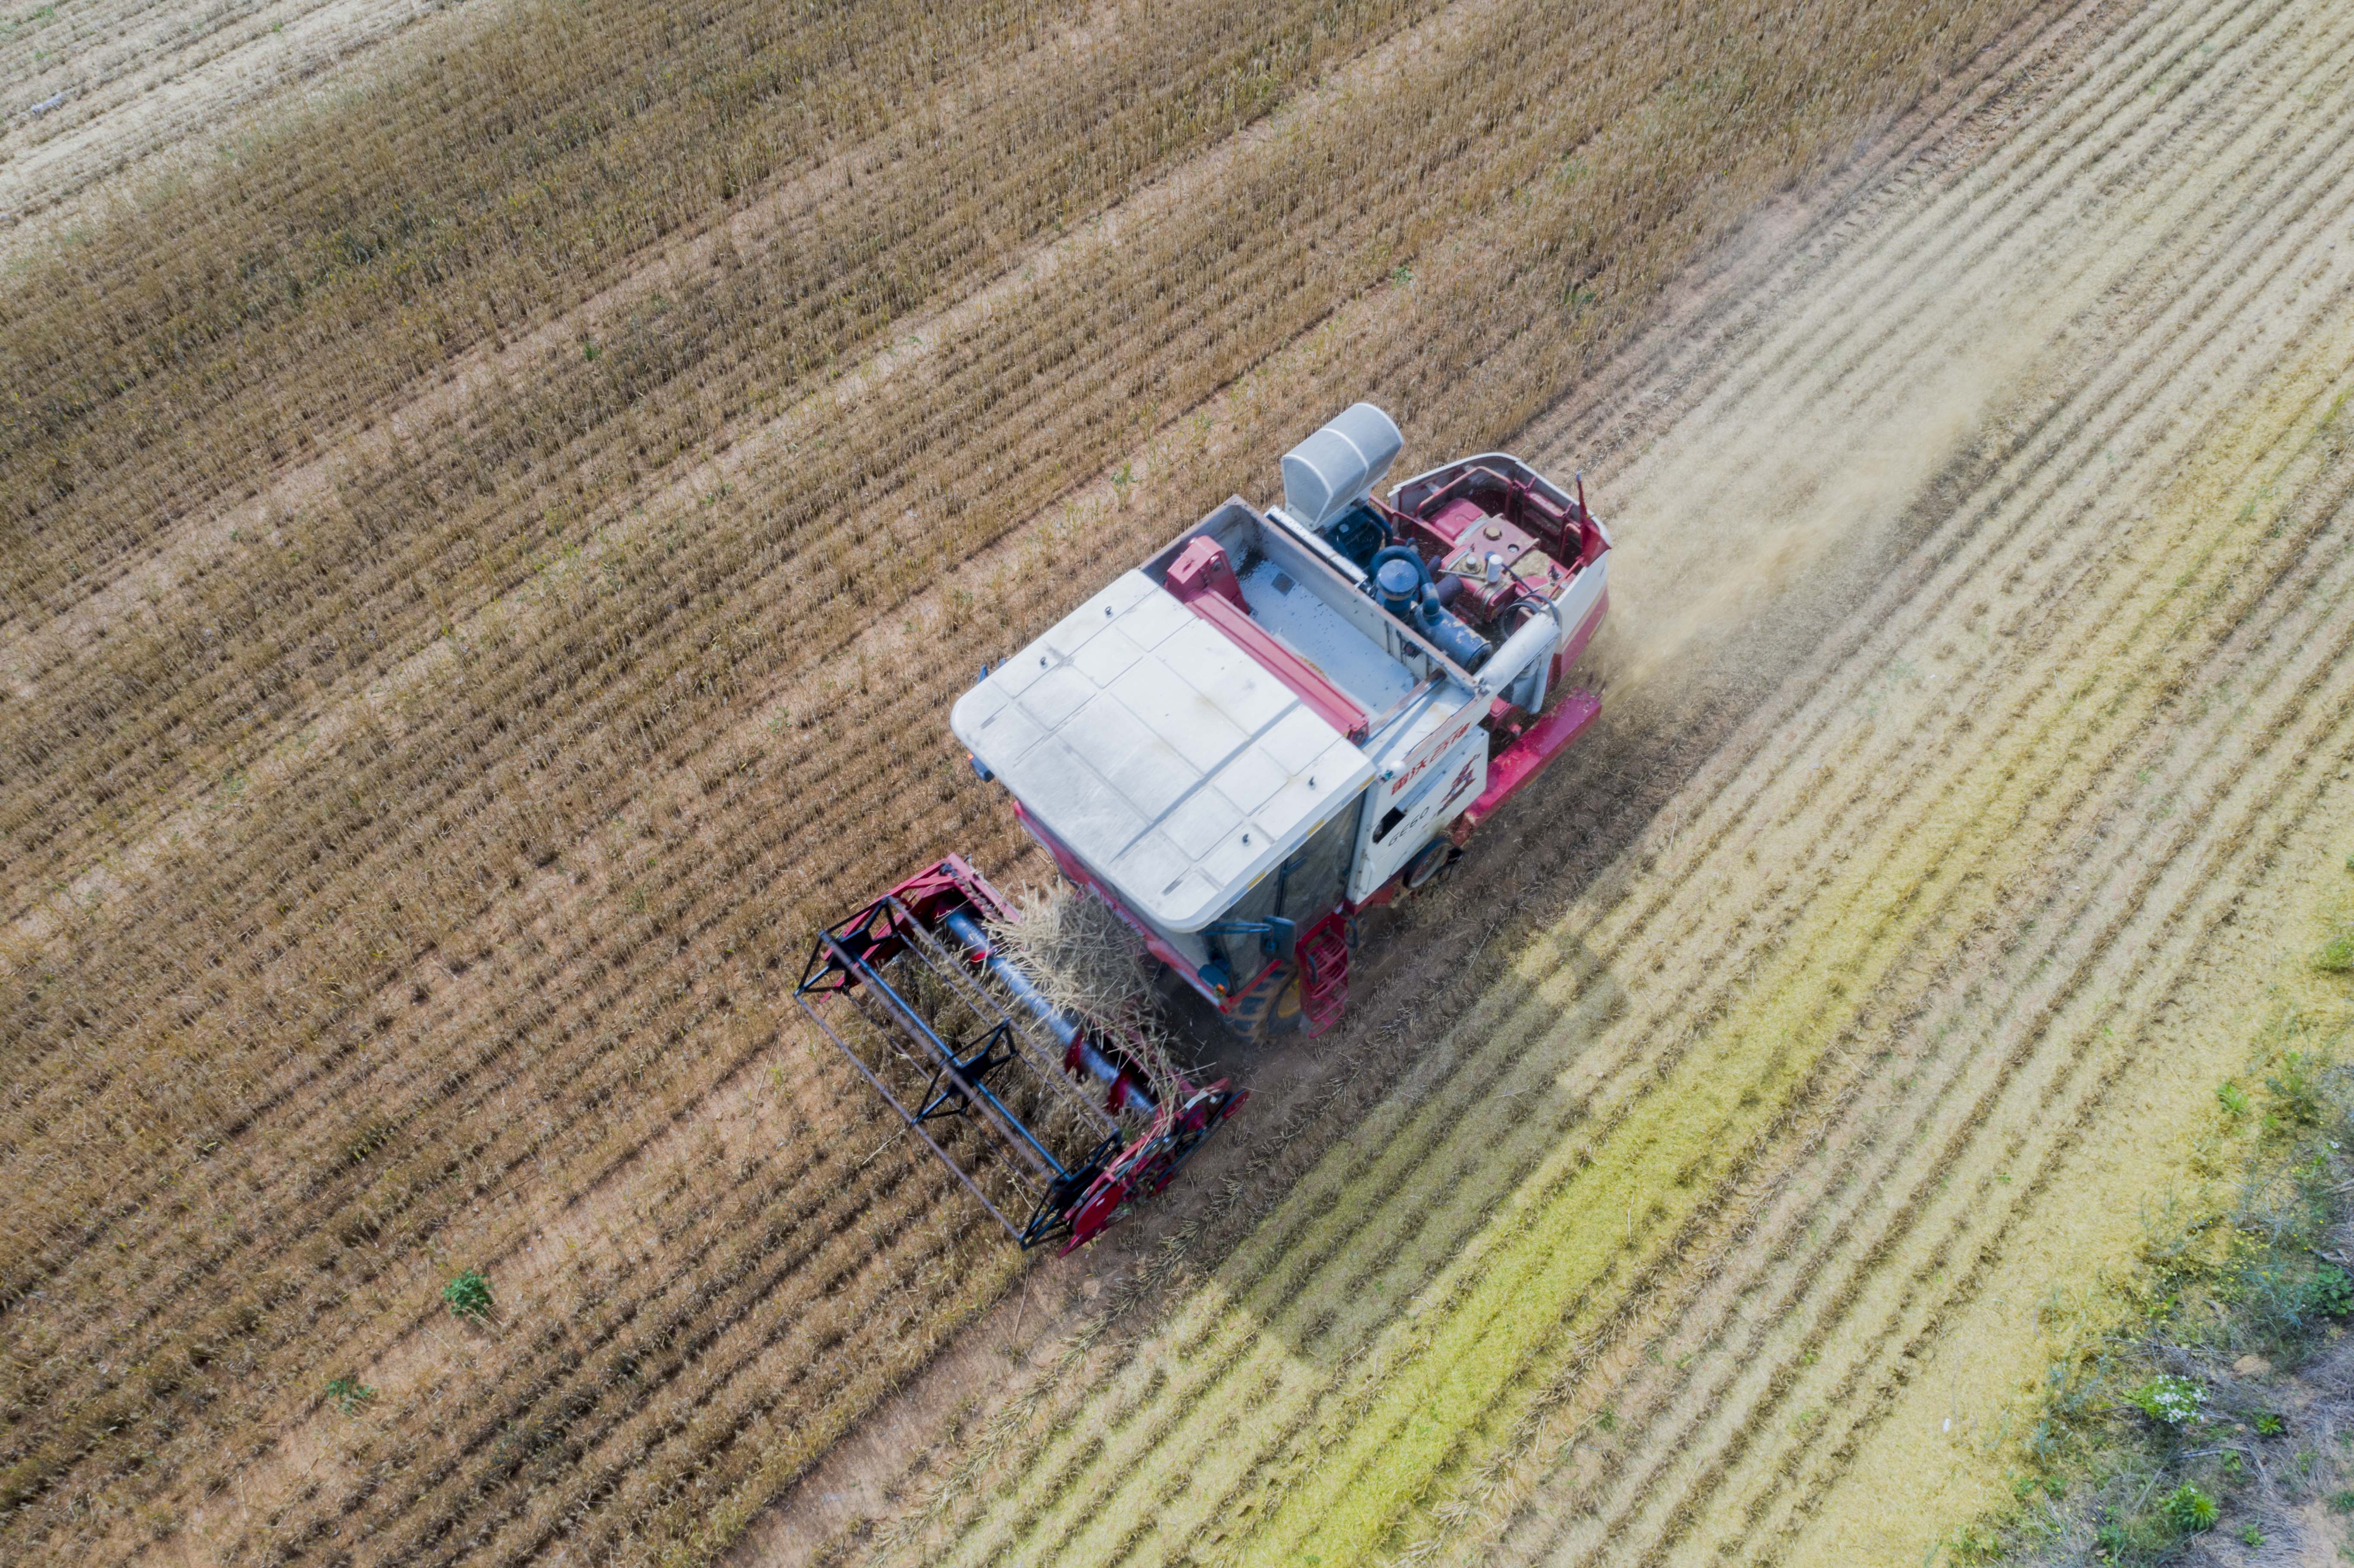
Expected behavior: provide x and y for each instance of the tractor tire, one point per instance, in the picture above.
(1271, 1006)
(1430, 867)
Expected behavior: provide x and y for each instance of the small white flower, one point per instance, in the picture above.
(2173, 1400)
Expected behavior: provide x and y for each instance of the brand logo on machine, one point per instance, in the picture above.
(1437, 750)
(1462, 782)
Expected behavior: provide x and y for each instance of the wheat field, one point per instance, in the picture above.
(488, 550)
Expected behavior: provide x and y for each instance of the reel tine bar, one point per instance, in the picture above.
(1004, 1084)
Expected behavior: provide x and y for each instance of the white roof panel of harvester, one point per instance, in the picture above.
(1158, 751)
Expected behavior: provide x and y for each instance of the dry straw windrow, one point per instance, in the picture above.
(438, 850)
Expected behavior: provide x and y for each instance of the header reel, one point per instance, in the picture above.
(995, 1079)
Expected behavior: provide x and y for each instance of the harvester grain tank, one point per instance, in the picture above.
(1283, 718)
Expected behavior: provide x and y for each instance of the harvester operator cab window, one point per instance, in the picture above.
(1303, 888)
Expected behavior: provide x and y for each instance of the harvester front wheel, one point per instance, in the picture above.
(1270, 1007)
(1437, 859)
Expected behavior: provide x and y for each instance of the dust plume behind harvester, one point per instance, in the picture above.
(1283, 718)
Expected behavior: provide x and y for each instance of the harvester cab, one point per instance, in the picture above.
(1283, 718)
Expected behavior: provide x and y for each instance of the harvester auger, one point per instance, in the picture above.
(1282, 719)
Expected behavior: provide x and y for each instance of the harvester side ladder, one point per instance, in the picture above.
(1325, 972)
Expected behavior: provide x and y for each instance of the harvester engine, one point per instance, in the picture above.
(1283, 718)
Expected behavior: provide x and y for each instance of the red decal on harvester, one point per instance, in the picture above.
(1435, 753)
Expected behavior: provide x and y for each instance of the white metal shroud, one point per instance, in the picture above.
(1159, 752)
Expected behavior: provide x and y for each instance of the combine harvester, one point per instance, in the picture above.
(1283, 718)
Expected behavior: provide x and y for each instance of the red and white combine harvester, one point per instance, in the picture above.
(1283, 718)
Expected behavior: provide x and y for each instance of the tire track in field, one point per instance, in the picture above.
(1098, 1501)
(2042, 959)
(1638, 1439)
(2321, 692)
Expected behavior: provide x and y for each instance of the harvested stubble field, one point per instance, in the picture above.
(1738, 1209)
(485, 572)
